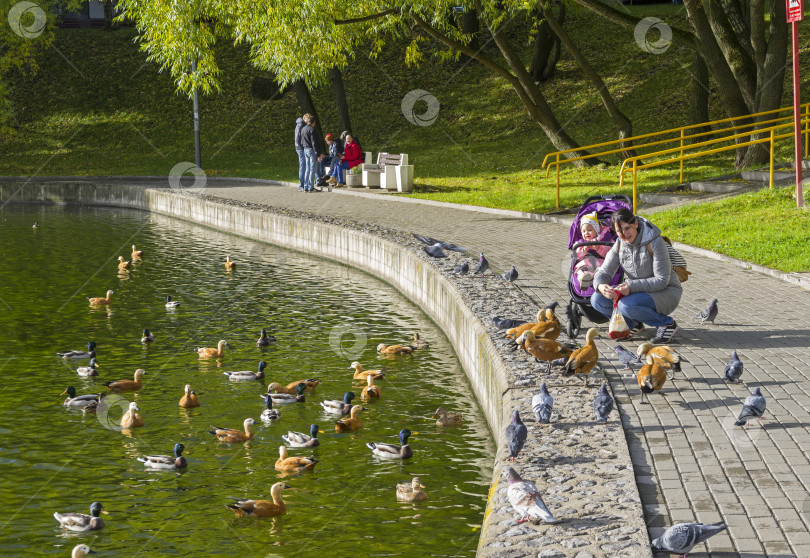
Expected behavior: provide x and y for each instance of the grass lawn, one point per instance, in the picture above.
(96, 107)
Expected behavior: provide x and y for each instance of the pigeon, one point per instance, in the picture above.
(542, 403)
(507, 323)
(435, 251)
(516, 434)
(510, 275)
(438, 243)
(483, 265)
(681, 538)
(602, 404)
(709, 313)
(461, 269)
(733, 369)
(525, 498)
(627, 358)
(753, 407)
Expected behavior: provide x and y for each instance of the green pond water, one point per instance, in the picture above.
(53, 458)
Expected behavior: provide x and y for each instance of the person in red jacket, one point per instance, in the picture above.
(352, 156)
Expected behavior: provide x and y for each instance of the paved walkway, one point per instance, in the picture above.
(691, 463)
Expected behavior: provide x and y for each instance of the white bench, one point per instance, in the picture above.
(391, 171)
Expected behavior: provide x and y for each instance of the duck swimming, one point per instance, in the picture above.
(394, 349)
(189, 398)
(412, 491)
(349, 424)
(77, 401)
(232, 436)
(418, 343)
(88, 371)
(393, 451)
(371, 391)
(337, 407)
(101, 300)
(286, 398)
(446, 419)
(219, 352)
(89, 353)
(243, 375)
(166, 461)
(136, 254)
(123, 264)
(360, 374)
(261, 508)
(171, 303)
(148, 337)
(264, 339)
(80, 551)
(270, 413)
(300, 440)
(229, 265)
(298, 463)
(127, 385)
(131, 419)
(82, 521)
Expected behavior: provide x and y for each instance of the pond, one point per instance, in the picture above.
(324, 315)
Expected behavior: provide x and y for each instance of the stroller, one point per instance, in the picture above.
(580, 303)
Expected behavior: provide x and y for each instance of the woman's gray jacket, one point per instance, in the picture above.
(643, 272)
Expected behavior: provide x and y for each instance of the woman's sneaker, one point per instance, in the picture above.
(665, 333)
(634, 331)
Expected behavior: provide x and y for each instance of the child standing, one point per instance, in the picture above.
(590, 257)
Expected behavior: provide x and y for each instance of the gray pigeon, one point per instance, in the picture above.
(461, 269)
(507, 323)
(627, 358)
(602, 404)
(753, 407)
(516, 434)
(483, 265)
(438, 243)
(542, 403)
(709, 313)
(681, 538)
(435, 251)
(511, 275)
(525, 498)
(733, 369)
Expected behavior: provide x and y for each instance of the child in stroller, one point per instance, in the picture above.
(590, 256)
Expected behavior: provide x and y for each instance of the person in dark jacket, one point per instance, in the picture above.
(310, 144)
(651, 290)
(334, 153)
(302, 163)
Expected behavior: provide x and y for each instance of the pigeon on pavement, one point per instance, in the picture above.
(525, 498)
(709, 313)
(681, 538)
(461, 269)
(516, 434)
(507, 323)
(602, 404)
(753, 407)
(435, 251)
(542, 403)
(438, 243)
(511, 275)
(733, 369)
(627, 358)
(483, 265)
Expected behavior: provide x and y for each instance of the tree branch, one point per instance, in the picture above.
(383, 13)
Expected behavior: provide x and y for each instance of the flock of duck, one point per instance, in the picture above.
(277, 395)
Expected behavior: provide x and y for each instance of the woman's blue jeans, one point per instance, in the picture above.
(635, 307)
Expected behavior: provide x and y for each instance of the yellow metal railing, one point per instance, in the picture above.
(724, 134)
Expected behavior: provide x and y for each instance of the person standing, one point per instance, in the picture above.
(310, 144)
(302, 164)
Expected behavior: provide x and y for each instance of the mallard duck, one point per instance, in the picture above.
(584, 359)
(127, 385)
(351, 423)
(383, 349)
(286, 398)
(189, 398)
(337, 407)
(310, 386)
(418, 343)
(300, 440)
(234, 436)
(360, 374)
(171, 303)
(265, 339)
(36, 225)
(298, 463)
(77, 401)
(82, 521)
(101, 300)
(136, 254)
(412, 491)
(123, 264)
(166, 461)
(229, 265)
(80, 551)
(392, 451)
(243, 375)
(131, 419)
(270, 413)
(207, 352)
(261, 508)
(148, 336)
(446, 419)
(89, 353)
(94, 407)
(88, 370)
(371, 391)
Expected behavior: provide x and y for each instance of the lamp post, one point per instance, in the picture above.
(795, 12)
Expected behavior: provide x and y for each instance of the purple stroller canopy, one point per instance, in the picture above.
(603, 208)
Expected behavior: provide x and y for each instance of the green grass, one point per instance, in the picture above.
(97, 108)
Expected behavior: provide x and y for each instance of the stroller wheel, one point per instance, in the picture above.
(574, 320)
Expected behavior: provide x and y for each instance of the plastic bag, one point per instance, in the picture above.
(618, 327)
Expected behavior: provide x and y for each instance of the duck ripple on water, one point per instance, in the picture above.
(301, 440)
(166, 461)
(81, 550)
(247, 375)
(87, 371)
(393, 451)
(286, 398)
(74, 400)
(269, 414)
(81, 521)
(89, 353)
(261, 508)
(264, 339)
(412, 491)
(337, 407)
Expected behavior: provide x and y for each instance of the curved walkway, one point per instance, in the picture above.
(691, 463)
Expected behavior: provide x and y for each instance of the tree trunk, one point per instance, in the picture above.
(699, 100)
(108, 16)
(307, 106)
(470, 26)
(623, 123)
(336, 77)
(546, 49)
